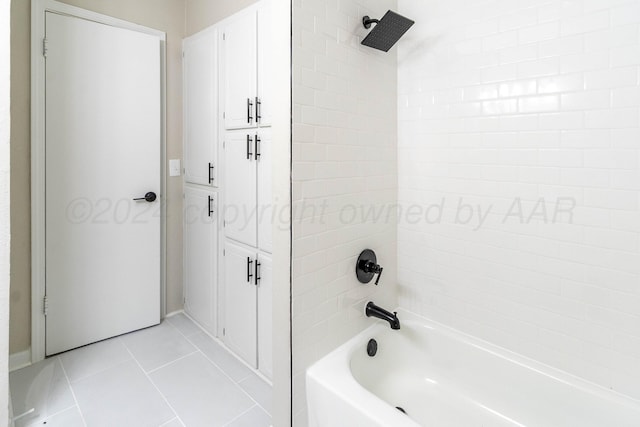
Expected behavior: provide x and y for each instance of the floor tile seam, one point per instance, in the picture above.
(186, 336)
(179, 330)
(196, 350)
(172, 420)
(235, 383)
(215, 340)
(251, 370)
(175, 413)
(101, 371)
(73, 393)
(239, 416)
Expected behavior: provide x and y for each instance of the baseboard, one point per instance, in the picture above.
(19, 360)
(173, 313)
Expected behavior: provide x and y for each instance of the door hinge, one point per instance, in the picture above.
(224, 223)
(45, 47)
(224, 252)
(224, 144)
(224, 332)
(45, 305)
(224, 36)
(224, 115)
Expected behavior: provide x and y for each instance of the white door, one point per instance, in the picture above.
(265, 209)
(264, 65)
(240, 302)
(265, 315)
(240, 57)
(103, 149)
(240, 187)
(201, 256)
(200, 87)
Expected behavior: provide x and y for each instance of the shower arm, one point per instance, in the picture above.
(366, 21)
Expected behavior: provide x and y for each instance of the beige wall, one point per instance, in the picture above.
(4, 209)
(164, 15)
(20, 319)
(203, 13)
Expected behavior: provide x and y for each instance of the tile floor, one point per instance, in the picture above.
(171, 375)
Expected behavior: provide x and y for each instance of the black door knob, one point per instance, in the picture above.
(149, 197)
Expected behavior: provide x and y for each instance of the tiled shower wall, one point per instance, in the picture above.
(344, 175)
(519, 178)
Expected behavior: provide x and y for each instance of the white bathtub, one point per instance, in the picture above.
(443, 378)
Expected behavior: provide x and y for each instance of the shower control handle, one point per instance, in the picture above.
(367, 267)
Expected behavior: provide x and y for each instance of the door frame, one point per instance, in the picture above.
(38, 132)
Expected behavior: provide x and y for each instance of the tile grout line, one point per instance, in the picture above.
(254, 399)
(155, 386)
(196, 350)
(239, 416)
(101, 370)
(237, 383)
(73, 393)
(172, 420)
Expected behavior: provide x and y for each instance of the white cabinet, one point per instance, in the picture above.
(265, 315)
(200, 89)
(248, 206)
(248, 315)
(246, 40)
(201, 256)
(226, 94)
(240, 70)
(265, 210)
(240, 186)
(264, 71)
(240, 308)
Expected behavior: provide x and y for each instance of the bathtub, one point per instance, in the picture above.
(440, 377)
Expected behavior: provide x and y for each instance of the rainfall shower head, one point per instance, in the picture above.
(387, 31)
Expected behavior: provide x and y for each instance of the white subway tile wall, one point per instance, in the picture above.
(344, 176)
(519, 147)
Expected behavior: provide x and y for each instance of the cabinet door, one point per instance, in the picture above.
(266, 208)
(264, 70)
(265, 315)
(200, 86)
(240, 68)
(240, 187)
(240, 310)
(200, 256)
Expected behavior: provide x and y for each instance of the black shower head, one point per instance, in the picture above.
(387, 31)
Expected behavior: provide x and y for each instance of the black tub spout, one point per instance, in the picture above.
(373, 310)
